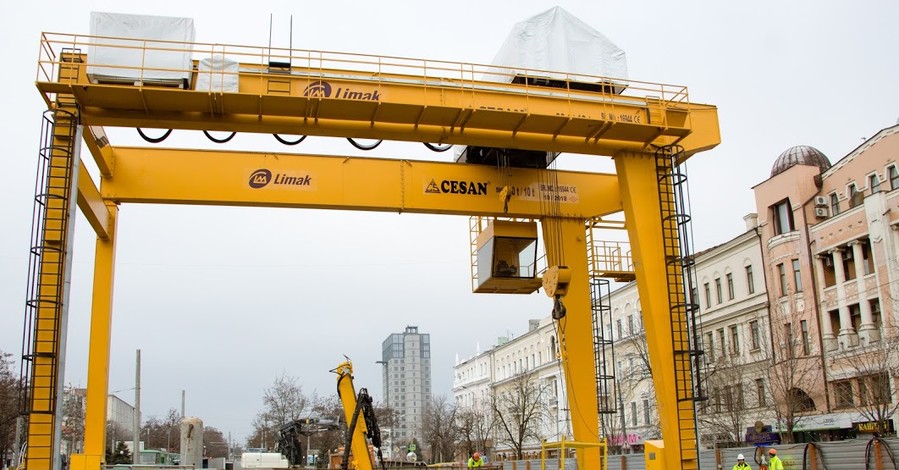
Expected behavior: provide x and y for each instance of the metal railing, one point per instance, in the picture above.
(262, 61)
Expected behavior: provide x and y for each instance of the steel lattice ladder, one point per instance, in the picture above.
(50, 237)
(604, 353)
(679, 278)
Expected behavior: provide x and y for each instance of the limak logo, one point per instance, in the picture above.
(262, 177)
(323, 89)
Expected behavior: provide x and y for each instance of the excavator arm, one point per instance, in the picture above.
(362, 426)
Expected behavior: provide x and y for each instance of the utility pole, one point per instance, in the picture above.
(182, 403)
(135, 449)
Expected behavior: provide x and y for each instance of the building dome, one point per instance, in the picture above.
(800, 155)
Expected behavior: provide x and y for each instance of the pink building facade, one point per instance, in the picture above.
(830, 248)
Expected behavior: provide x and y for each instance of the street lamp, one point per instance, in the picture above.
(385, 379)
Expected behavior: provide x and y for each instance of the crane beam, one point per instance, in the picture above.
(180, 176)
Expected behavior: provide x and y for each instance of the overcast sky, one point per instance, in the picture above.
(223, 300)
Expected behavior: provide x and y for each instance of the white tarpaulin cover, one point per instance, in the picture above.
(127, 60)
(555, 40)
(217, 74)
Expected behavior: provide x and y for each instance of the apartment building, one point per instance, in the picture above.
(406, 358)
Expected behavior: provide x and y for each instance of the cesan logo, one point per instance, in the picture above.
(323, 89)
(457, 187)
(263, 177)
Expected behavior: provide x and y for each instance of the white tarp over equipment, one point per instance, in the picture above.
(139, 52)
(217, 74)
(557, 41)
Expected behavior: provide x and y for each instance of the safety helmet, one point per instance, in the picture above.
(772, 451)
(477, 455)
(740, 457)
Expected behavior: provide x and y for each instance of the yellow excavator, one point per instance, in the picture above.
(362, 425)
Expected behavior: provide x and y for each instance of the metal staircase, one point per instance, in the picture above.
(47, 276)
(679, 264)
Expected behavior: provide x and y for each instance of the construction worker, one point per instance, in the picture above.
(475, 461)
(741, 463)
(774, 462)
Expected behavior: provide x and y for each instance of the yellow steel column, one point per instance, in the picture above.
(640, 198)
(566, 246)
(98, 355)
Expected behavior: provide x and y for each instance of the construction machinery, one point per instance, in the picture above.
(362, 424)
(290, 438)
(648, 129)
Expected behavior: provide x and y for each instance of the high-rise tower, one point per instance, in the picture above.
(407, 379)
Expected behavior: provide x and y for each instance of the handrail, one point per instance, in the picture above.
(365, 66)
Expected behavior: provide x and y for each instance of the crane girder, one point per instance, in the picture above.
(181, 176)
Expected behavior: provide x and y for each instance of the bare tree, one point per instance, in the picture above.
(73, 418)
(214, 443)
(872, 366)
(633, 383)
(163, 433)
(519, 408)
(439, 428)
(474, 425)
(793, 373)
(328, 408)
(283, 402)
(725, 415)
(9, 405)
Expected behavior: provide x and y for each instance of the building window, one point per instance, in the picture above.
(855, 316)
(782, 276)
(710, 347)
(708, 296)
(730, 286)
(797, 277)
(783, 217)
(849, 270)
(618, 327)
(750, 282)
(874, 183)
(866, 258)
(834, 204)
(875, 311)
(633, 413)
(760, 394)
(788, 335)
(630, 325)
(878, 386)
(855, 197)
(718, 289)
(694, 295)
(646, 412)
(842, 394)
(806, 344)
(721, 340)
(734, 340)
(893, 175)
(755, 334)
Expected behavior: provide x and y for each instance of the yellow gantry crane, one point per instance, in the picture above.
(647, 128)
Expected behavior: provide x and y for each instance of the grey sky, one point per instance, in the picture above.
(222, 300)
